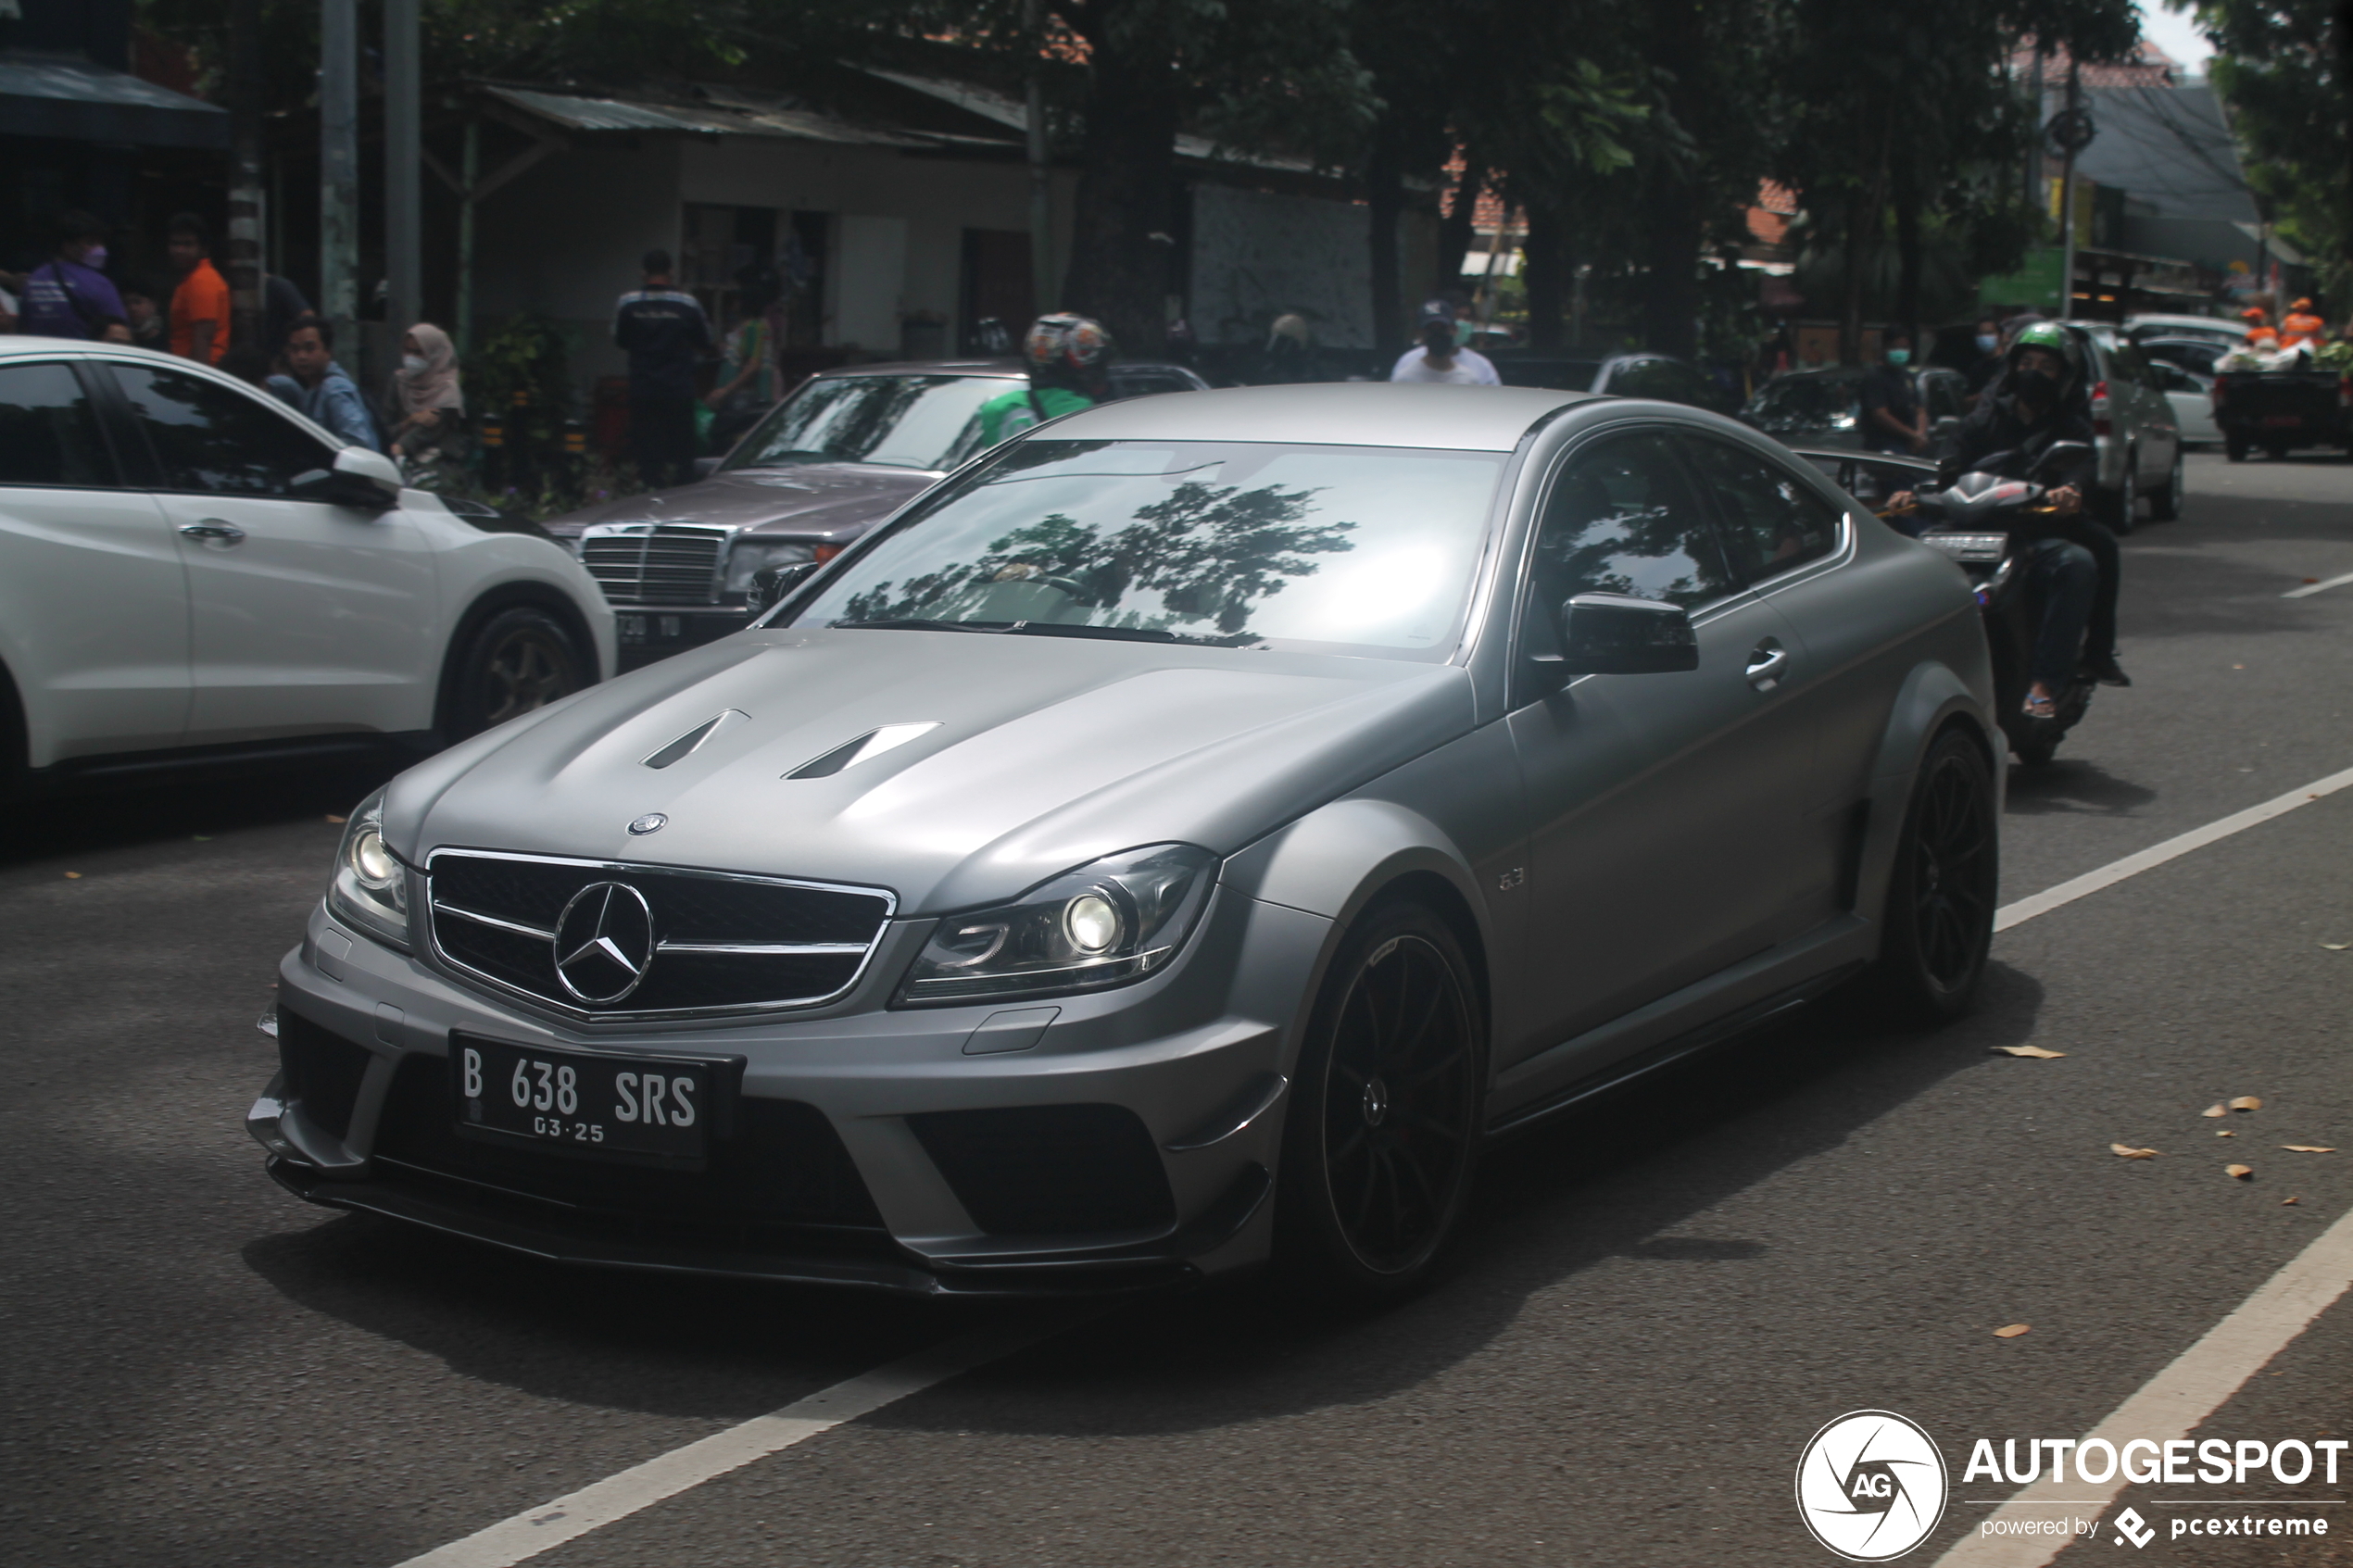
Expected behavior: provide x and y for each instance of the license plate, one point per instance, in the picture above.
(649, 628)
(630, 628)
(2283, 419)
(630, 1108)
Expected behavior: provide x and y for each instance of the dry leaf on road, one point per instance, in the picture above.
(2241, 1171)
(2285, 1202)
(2126, 1151)
(2037, 1052)
(2217, 1109)
(335, 819)
(2246, 1102)
(2012, 1332)
(2307, 1149)
(73, 876)
(2226, 1134)
(2336, 947)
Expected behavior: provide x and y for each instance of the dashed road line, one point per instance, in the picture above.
(2309, 589)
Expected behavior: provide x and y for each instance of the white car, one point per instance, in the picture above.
(192, 572)
(2192, 396)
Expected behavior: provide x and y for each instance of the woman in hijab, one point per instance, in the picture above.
(426, 411)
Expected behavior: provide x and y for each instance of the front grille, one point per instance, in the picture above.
(323, 1071)
(784, 1165)
(717, 942)
(669, 564)
(1049, 1170)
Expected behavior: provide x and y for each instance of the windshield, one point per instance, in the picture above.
(1226, 543)
(1808, 403)
(899, 421)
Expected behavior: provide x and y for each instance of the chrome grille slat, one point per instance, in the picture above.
(722, 943)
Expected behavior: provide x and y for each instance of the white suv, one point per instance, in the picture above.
(190, 570)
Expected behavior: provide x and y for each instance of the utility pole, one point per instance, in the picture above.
(339, 172)
(1042, 172)
(404, 168)
(245, 173)
(2036, 194)
(469, 175)
(2067, 197)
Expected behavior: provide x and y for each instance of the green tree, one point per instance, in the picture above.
(2286, 68)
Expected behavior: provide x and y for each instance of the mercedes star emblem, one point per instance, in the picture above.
(652, 821)
(604, 943)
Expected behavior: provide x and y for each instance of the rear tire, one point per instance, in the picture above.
(1939, 914)
(521, 659)
(2234, 449)
(2117, 507)
(2165, 505)
(1386, 1109)
(2278, 454)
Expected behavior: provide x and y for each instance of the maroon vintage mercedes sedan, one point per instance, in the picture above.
(830, 462)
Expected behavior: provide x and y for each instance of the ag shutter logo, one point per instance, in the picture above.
(1871, 1486)
(2130, 1526)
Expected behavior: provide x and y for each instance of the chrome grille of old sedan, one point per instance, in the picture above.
(667, 563)
(613, 940)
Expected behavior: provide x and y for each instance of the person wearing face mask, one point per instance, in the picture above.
(2041, 400)
(427, 411)
(68, 296)
(1894, 419)
(1987, 368)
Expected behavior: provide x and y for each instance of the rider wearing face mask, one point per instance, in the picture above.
(2041, 400)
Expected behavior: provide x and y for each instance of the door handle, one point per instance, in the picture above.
(211, 529)
(1767, 662)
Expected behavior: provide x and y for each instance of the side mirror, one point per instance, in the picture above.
(358, 478)
(1615, 634)
(771, 583)
(2060, 454)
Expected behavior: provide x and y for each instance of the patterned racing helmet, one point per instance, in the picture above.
(1075, 345)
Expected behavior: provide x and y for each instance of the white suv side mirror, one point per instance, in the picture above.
(358, 478)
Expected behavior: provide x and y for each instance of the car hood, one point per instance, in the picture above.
(1048, 753)
(840, 500)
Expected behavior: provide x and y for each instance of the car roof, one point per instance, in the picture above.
(2204, 323)
(1427, 414)
(1012, 369)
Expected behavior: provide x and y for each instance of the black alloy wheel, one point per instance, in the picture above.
(1940, 897)
(1387, 1110)
(521, 659)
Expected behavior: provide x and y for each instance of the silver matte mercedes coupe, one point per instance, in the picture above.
(1178, 839)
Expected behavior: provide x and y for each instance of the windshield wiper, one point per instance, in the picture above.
(915, 625)
(1124, 634)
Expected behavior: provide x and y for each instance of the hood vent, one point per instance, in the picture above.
(873, 744)
(686, 744)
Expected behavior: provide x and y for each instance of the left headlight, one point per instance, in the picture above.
(371, 888)
(751, 554)
(1106, 923)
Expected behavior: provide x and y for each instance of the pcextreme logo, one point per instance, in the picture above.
(1871, 1486)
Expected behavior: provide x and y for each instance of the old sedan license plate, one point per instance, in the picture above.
(585, 1103)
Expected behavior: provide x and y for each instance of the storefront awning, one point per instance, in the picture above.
(71, 99)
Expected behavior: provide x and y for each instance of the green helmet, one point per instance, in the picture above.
(2052, 338)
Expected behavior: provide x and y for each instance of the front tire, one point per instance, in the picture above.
(1939, 915)
(2234, 449)
(2165, 505)
(521, 659)
(2117, 507)
(1385, 1108)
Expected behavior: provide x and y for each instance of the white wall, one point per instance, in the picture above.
(1256, 256)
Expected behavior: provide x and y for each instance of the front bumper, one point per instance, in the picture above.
(1131, 1143)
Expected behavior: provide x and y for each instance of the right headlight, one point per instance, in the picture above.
(1106, 923)
(370, 887)
(750, 554)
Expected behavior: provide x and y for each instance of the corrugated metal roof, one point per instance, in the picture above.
(720, 112)
(63, 96)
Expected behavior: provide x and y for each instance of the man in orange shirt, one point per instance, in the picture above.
(200, 305)
(2302, 327)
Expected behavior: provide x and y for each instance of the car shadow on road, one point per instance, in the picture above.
(85, 818)
(2072, 787)
(1613, 1179)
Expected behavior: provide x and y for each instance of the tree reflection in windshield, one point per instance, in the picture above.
(1226, 542)
(899, 421)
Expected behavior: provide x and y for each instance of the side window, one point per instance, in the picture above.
(208, 437)
(49, 433)
(1773, 521)
(1680, 383)
(1620, 519)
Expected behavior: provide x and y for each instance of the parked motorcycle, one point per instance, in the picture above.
(1987, 521)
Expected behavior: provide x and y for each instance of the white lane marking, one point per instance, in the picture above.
(2091, 882)
(2309, 589)
(2177, 1400)
(552, 1523)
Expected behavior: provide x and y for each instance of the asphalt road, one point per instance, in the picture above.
(1656, 1304)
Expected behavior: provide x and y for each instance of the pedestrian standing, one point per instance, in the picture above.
(200, 305)
(427, 411)
(141, 310)
(1989, 366)
(318, 387)
(664, 333)
(748, 379)
(1894, 419)
(1439, 358)
(69, 295)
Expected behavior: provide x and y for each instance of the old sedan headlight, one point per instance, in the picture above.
(752, 553)
(1104, 925)
(370, 887)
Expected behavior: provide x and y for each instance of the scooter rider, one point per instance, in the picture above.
(2038, 402)
(1069, 359)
